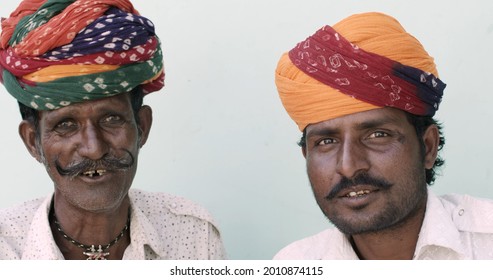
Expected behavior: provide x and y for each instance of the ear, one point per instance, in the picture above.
(27, 131)
(303, 150)
(431, 139)
(144, 126)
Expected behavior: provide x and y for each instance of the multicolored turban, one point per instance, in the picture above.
(57, 52)
(364, 62)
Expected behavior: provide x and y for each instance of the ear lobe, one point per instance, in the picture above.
(145, 123)
(27, 131)
(431, 140)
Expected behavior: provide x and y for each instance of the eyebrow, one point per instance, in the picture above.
(322, 131)
(375, 123)
(56, 116)
(359, 126)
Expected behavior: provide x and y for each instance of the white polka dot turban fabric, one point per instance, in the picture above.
(54, 53)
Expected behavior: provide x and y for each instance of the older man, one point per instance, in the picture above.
(364, 93)
(80, 70)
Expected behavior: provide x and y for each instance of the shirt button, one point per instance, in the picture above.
(173, 205)
(461, 212)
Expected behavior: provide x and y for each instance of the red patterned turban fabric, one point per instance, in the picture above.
(364, 62)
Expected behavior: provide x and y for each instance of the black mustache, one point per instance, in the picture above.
(360, 179)
(108, 162)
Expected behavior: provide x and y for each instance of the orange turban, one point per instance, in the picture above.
(373, 39)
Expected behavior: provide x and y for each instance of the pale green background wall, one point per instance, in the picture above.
(221, 137)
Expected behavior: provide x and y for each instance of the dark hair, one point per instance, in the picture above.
(420, 125)
(136, 100)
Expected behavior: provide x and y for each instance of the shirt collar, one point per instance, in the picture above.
(347, 248)
(142, 234)
(438, 231)
(40, 243)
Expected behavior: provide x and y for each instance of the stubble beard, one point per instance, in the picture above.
(392, 215)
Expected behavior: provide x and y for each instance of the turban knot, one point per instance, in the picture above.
(57, 52)
(364, 62)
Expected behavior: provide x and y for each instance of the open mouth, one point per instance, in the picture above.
(94, 173)
(358, 193)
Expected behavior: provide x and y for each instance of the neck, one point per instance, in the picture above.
(88, 228)
(396, 243)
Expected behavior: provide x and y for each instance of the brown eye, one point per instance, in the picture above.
(112, 119)
(326, 141)
(65, 126)
(378, 134)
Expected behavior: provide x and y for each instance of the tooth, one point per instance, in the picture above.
(89, 173)
(352, 194)
(367, 191)
(360, 193)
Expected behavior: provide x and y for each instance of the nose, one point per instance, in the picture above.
(352, 159)
(92, 144)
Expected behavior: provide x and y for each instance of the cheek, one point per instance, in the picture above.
(124, 138)
(397, 164)
(321, 172)
(127, 134)
(129, 140)
(53, 150)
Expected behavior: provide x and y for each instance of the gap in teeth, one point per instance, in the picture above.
(92, 173)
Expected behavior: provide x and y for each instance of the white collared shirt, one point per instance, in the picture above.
(162, 226)
(455, 227)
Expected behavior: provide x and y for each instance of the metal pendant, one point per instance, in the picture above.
(94, 254)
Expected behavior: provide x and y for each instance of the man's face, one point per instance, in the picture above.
(367, 169)
(90, 151)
